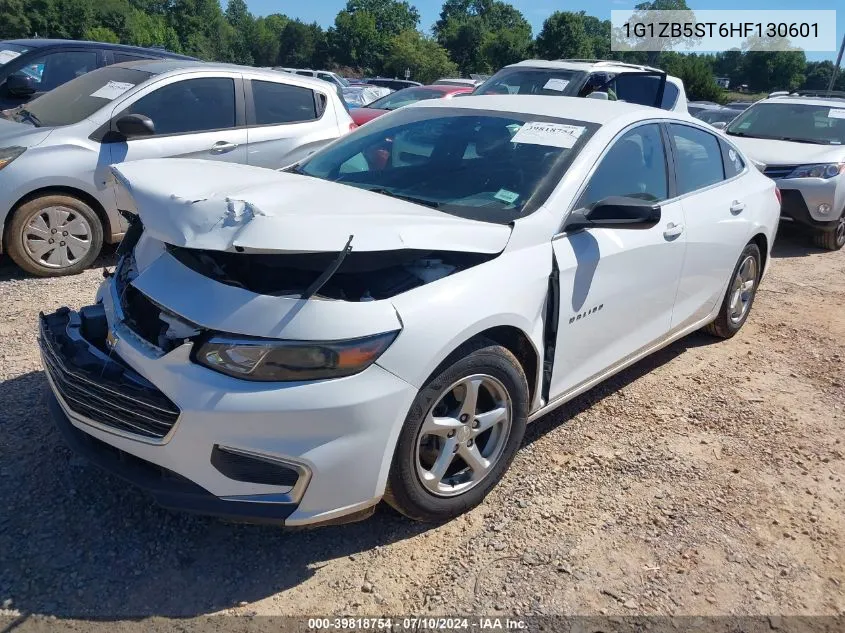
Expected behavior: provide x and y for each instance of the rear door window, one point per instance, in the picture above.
(698, 158)
(276, 102)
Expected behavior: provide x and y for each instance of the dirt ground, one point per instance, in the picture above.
(705, 480)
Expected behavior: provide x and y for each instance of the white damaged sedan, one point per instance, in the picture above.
(382, 320)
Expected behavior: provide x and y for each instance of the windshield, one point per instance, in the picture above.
(532, 81)
(9, 51)
(481, 165)
(800, 122)
(81, 97)
(717, 116)
(405, 97)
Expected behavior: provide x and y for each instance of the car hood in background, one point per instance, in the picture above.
(773, 152)
(227, 207)
(21, 134)
(364, 114)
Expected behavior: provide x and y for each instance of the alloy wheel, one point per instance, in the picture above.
(742, 291)
(463, 435)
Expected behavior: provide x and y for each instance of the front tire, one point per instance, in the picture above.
(832, 239)
(739, 297)
(54, 235)
(460, 436)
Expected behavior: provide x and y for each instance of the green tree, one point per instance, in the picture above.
(14, 22)
(423, 57)
(696, 73)
(239, 37)
(483, 35)
(391, 17)
(101, 34)
(302, 45)
(268, 34)
(355, 40)
(564, 35)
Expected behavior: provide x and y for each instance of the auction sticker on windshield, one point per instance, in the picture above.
(556, 84)
(836, 114)
(7, 56)
(112, 90)
(551, 134)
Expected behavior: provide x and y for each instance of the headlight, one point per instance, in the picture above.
(8, 154)
(284, 361)
(826, 170)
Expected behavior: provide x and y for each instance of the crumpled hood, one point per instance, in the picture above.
(221, 206)
(13, 133)
(771, 152)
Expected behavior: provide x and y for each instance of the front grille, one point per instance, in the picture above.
(778, 171)
(103, 390)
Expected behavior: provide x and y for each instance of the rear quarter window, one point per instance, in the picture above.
(732, 159)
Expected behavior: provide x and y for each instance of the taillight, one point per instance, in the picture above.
(778, 196)
(352, 125)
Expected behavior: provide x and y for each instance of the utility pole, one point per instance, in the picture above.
(836, 67)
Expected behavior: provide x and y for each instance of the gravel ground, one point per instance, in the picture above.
(705, 480)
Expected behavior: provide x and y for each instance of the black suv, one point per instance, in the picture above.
(29, 68)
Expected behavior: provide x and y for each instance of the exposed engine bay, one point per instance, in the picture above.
(361, 276)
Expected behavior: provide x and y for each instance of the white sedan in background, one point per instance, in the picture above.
(382, 320)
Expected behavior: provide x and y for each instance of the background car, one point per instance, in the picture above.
(718, 117)
(631, 83)
(410, 297)
(29, 68)
(393, 84)
(325, 75)
(458, 81)
(404, 97)
(359, 95)
(57, 200)
(739, 106)
(799, 141)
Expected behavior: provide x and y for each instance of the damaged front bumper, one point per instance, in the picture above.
(197, 440)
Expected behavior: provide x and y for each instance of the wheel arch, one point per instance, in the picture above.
(64, 190)
(762, 243)
(513, 339)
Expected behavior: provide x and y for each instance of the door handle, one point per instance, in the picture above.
(221, 147)
(737, 207)
(673, 230)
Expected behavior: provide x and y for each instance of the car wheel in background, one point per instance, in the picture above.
(461, 434)
(739, 297)
(54, 235)
(832, 239)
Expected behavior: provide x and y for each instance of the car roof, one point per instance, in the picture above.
(175, 66)
(835, 101)
(582, 64)
(45, 43)
(577, 108)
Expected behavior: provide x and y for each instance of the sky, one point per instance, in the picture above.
(535, 11)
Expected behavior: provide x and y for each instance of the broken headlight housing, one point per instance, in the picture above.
(286, 361)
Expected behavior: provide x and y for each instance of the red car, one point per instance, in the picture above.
(404, 97)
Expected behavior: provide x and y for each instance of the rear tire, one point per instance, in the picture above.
(429, 478)
(54, 235)
(831, 239)
(739, 297)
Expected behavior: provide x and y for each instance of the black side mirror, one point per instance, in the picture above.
(132, 125)
(20, 85)
(616, 212)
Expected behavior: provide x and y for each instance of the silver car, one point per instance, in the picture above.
(57, 198)
(798, 140)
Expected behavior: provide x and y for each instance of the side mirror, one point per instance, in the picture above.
(616, 212)
(719, 125)
(20, 85)
(603, 96)
(132, 125)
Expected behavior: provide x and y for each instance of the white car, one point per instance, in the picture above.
(611, 80)
(56, 203)
(382, 320)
